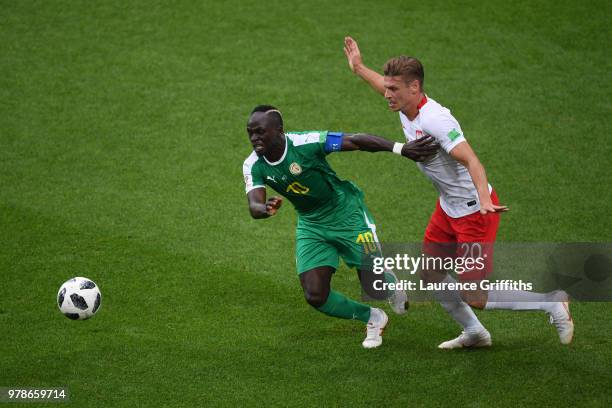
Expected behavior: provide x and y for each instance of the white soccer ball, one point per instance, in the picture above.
(79, 298)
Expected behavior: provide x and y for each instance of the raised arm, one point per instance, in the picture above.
(417, 150)
(353, 55)
(259, 207)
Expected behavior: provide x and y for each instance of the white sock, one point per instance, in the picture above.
(519, 300)
(376, 316)
(459, 310)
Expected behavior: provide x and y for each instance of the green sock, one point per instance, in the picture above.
(389, 278)
(338, 305)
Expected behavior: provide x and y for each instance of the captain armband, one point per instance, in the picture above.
(333, 143)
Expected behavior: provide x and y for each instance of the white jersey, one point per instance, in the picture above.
(458, 195)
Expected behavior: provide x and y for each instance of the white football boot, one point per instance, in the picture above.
(561, 318)
(466, 340)
(375, 327)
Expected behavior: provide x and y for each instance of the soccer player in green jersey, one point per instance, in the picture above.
(333, 220)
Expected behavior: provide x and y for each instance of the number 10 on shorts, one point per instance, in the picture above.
(366, 240)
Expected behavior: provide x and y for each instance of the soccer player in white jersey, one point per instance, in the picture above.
(467, 212)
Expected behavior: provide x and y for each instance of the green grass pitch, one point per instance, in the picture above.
(122, 137)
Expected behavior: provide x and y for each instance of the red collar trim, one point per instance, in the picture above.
(423, 102)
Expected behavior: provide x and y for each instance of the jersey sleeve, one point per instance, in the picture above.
(312, 141)
(252, 176)
(445, 129)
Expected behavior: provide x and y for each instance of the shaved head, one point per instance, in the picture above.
(272, 115)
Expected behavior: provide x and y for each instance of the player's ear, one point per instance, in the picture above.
(414, 87)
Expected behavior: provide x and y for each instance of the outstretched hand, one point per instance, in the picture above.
(421, 149)
(353, 55)
(273, 204)
(489, 207)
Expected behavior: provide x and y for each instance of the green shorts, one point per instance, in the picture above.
(353, 238)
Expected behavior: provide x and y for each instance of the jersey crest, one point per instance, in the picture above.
(295, 169)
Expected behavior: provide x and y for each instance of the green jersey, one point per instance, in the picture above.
(304, 177)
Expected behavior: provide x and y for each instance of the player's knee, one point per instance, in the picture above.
(316, 298)
(476, 304)
(476, 299)
(316, 285)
